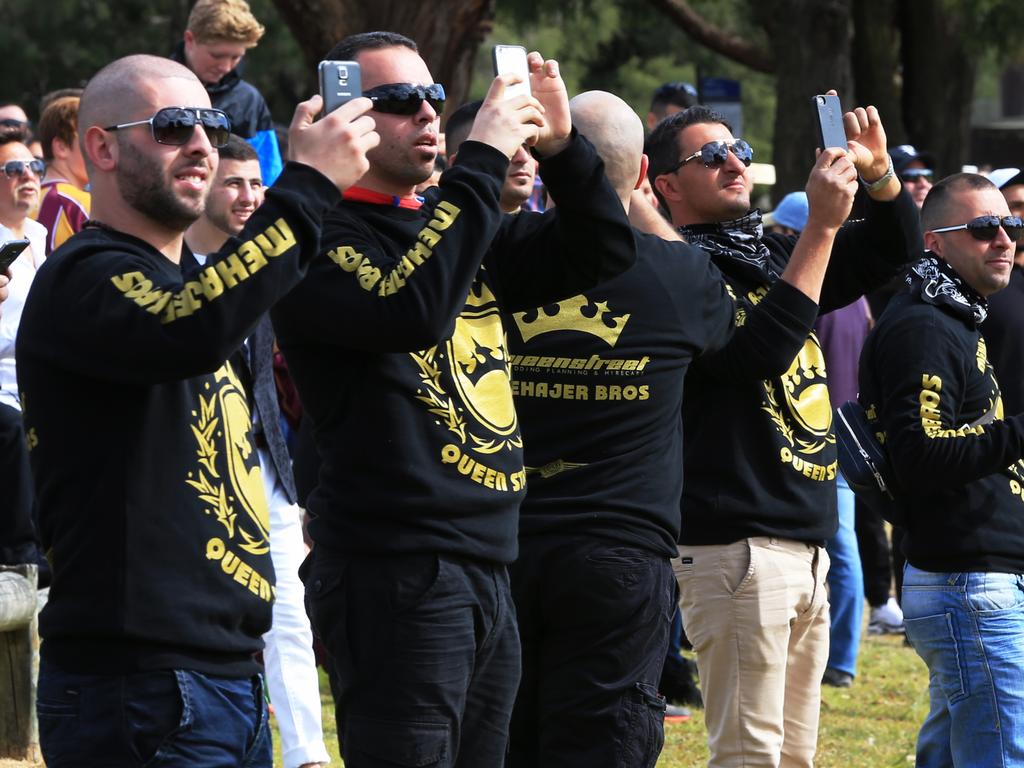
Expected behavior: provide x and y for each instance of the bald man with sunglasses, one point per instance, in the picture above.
(416, 510)
(151, 505)
(926, 380)
(759, 467)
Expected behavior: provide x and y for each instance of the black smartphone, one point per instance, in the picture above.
(829, 114)
(9, 251)
(340, 81)
(511, 59)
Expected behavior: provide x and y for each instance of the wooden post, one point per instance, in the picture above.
(19, 731)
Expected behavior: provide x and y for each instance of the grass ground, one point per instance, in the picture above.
(871, 725)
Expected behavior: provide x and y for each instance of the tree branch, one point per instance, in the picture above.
(707, 34)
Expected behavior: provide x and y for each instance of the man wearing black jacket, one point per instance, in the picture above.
(759, 496)
(598, 380)
(926, 378)
(151, 506)
(422, 475)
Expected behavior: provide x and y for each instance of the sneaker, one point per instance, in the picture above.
(837, 678)
(886, 619)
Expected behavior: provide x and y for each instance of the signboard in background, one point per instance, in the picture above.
(723, 95)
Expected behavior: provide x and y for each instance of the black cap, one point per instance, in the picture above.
(905, 154)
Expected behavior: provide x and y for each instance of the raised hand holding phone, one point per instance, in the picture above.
(549, 89)
(506, 124)
(337, 144)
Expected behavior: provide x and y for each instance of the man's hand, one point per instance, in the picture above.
(506, 124)
(549, 89)
(865, 138)
(5, 277)
(830, 190)
(336, 145)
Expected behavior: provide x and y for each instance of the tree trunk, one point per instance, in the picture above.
(1012, 90)
(938, 83)
(876, 63)
(448, 34)
(810, 40)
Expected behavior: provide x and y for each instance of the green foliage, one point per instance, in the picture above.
(50, 44)
(630, 49)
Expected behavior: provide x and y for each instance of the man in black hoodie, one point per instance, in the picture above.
(417, 507)
(759, 497)
(151, 505)
(926, 378)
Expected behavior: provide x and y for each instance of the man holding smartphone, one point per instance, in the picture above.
(759, 498)
(416, 511)
(148, 484)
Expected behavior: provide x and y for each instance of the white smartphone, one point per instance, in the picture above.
(511, 59)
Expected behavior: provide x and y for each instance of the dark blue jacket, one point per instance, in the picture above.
(249, 114)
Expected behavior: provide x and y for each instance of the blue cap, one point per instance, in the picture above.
(790, 212)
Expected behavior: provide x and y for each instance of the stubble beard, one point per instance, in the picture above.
(145, 188)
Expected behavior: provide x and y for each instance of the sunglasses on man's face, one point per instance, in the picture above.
(716, 153)
(406, 98)
(987, 227)
(14, 168)
(175, 125)
(912, 175)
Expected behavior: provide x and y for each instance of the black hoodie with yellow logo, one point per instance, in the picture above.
(926, 378)
(760, 454)
(598, 380)
(151, 502)
(397, 348)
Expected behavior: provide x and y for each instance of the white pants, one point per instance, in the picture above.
(290, 665)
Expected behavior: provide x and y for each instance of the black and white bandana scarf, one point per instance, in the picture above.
(739, 239)
(939, 284)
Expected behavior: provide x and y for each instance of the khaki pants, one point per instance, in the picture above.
(757, 614)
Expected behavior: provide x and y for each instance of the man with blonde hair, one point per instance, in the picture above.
(217, 36)
(65, 204)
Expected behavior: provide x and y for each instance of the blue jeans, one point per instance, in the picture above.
(845, 587)
(969, 629)
(167, 718)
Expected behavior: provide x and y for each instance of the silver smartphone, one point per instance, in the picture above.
(340, 81)
(511, 59)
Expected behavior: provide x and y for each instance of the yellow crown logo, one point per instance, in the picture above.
(576, 314)
(480, 295)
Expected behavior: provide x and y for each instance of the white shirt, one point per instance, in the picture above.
(22, 271)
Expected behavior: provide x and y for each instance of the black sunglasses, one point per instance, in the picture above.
(175, 125)
(406, 98)
(14, 168)
(987, 227)
(917, 174)
(716, 153)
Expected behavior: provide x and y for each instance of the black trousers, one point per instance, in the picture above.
(425, 653)
(881, 563)
(594, 619)
(18, 543)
